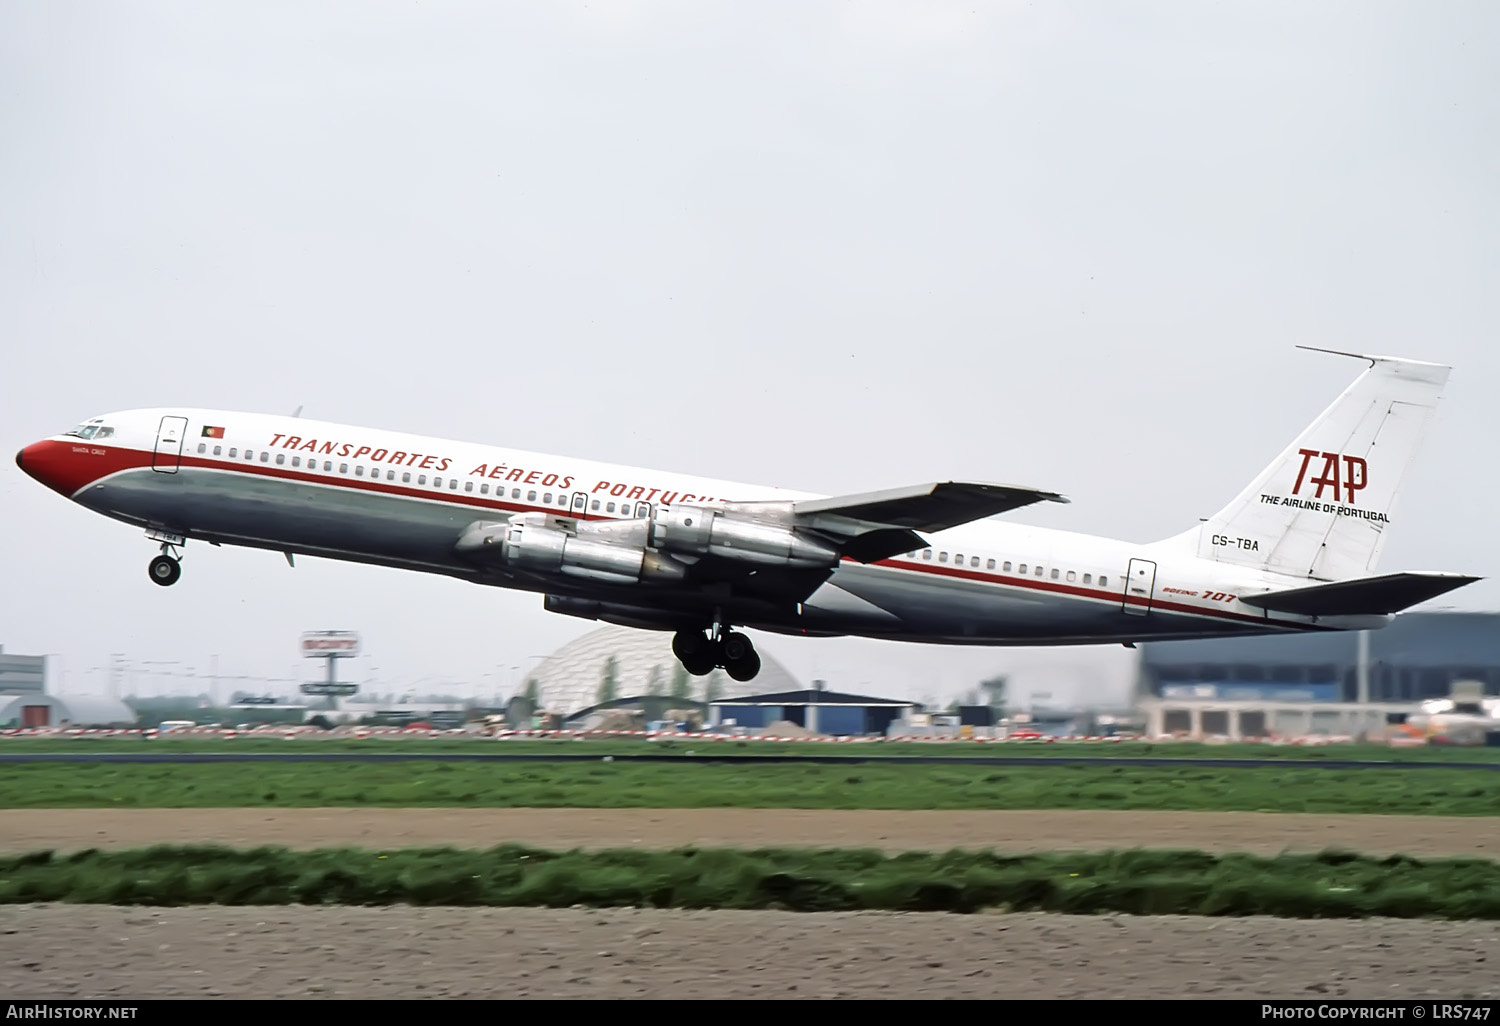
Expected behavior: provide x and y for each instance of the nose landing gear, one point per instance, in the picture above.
(166, 568)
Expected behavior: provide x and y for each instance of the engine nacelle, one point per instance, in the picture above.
(699, 531)
(536, 543)
(639, 617)
(633, 533)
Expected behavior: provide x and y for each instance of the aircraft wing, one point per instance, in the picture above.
(876, 525)
(867, 527)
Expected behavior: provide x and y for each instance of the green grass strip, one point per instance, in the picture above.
(880, 785)
(1141, 882)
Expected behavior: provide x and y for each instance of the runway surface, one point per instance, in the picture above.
(708, 756)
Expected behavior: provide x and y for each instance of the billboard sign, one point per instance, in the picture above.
(330, 644)
(321, 688)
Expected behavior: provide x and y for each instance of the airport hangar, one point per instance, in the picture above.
(1344, 684)
(25, 703)
(829, 713)
(568, 683)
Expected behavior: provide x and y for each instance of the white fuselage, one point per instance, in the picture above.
(309, 488)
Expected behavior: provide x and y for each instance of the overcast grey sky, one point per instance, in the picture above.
(828, 246)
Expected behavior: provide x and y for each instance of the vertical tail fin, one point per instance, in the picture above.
(1321, 511)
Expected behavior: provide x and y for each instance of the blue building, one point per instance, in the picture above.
(828, 713)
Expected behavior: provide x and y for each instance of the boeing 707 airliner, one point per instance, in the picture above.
(1295, 551)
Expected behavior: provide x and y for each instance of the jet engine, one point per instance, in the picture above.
(539, 543)
(698, 531)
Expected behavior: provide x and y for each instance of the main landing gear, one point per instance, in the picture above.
(165, 568)
(701, 652)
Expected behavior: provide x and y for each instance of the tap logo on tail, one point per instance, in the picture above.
(1355, 475)
(1340, 477)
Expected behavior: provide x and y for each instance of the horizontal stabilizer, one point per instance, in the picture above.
(1370, 596)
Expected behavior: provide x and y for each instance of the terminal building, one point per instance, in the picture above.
(1346, 683)
(22, 674)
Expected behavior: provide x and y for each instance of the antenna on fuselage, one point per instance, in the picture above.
(297, 412)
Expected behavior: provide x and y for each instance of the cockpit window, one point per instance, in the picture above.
(84, 430)
(105, 432)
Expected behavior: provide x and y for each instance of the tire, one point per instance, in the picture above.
(690, 646)
(735, 648)
(165, 570)
(745, 669)
(699, 666)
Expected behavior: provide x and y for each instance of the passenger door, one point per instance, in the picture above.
(1140, 585)
(169, 439)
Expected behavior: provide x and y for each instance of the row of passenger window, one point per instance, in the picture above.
(1039, 571)
(640, 509)
(547, 498)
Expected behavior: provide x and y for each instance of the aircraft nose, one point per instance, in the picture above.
(50, 463)
(31, 458)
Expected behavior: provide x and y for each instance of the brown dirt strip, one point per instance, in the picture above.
(24, 830)
(77, 952)
(94, 952)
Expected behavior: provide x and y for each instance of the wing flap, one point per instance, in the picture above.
(1369, 596)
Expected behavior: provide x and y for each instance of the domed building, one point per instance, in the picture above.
(579, 675)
